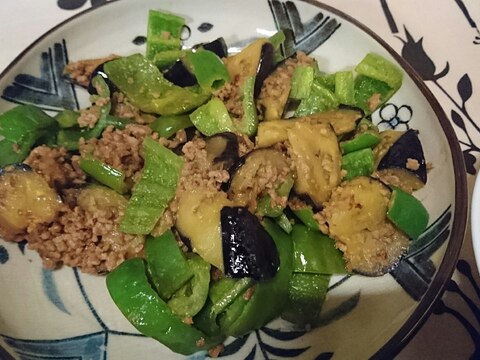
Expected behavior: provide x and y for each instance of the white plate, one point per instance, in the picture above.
(65, 314)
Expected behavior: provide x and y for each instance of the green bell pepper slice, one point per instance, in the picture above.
(144, 85)
(163, 32)
(358, 163)
(365, 88)
(367, 139)
(212, 118)
(67, 118)
(104, 173)
(20, 129)
(379, 68)
(166, 126)
(306, 216)
(191, 298)
(302, 81)
(407, 213)
(154, 190)
(316, 253)
(249, 123)
(345, 87)
(224, 291)
(320, 99)
(208, 68)
(166, 264)
(306, 296)
(130, 289)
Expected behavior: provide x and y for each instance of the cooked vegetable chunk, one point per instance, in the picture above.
(356, 216)
(248, 250)
(198, 219)
(404, 164)
(25, 199)
(316, 155)
(153, 192)
(130, 290)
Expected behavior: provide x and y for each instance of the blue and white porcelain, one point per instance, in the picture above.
(64, 314)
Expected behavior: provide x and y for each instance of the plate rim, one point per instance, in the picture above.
(461, 206)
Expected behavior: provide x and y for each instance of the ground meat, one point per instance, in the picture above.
(179, 139)
(80, 71)
(122, 108)
(120, 148)
(56, 166)
(89, 241)
(215, 351)
(231, 96)
(89, 117)
(197, 172)
(245, 145)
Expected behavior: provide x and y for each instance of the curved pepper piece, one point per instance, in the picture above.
(140, 304)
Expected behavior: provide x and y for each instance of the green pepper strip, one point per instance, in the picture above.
(229, 290)
(307, 293)
(67, 118)
(407, 213)
(189, 300)
(314, 252)
(154, 190)
(264, 205)
(249, 122)
(104, 173)
(212, 118)
(208, 68)
(364, 140)
(320, 99)
(344, 87)
(166, 264)
(306, 216)
(269, 297)
(358, 163)
(20, 129)
(130, 290)
(144, 85)
(163, 32)
(167, 126)
(284, 222)
(302, 81)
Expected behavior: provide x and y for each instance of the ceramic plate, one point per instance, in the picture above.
(475, 223)
(65, 314)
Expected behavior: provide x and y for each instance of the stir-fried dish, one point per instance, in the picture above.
(216, 191)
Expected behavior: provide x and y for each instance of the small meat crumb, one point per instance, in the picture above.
(374, 101)
(200, 342)
(412, 164)
(81, 71)
(249, 293)
(188, 320)
(215, 351)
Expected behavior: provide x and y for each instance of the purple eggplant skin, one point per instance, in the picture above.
(180, 75)
(100, 71)
(217, 46)
(266, 65)
(224, 151)
(248, 249)
(408, 146)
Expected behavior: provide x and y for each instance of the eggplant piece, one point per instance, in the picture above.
(218, 46)
(179, 74)
(343, 121)
(266, 65)
(198, 219)
(255, 174)
(99, 70)
(248, 250)
(25, 199)
(356, 217)
(404, 163)
(316, 155)
(222, 149)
